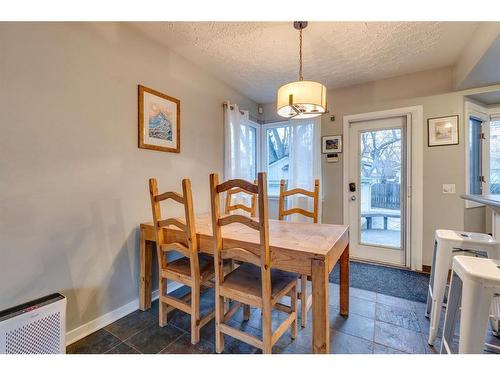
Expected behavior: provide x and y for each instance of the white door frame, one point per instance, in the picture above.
(415, 225)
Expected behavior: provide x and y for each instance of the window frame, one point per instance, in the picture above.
(257, 127)
(476, 111)
(494, 113)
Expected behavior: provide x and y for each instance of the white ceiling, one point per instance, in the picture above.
(257, 57)
(491, 97)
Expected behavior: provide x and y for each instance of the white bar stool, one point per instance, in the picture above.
(447, 244)
(475, 282)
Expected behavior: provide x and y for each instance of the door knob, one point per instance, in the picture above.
(353, 197)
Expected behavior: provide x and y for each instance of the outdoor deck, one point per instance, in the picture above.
(378, 235)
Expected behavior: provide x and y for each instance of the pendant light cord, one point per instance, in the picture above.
(300, 56)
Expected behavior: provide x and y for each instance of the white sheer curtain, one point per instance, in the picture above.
(305, 163)
(239, 148)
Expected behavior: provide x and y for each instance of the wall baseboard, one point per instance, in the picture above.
(112, 316)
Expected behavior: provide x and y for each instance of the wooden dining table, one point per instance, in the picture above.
(304, 248)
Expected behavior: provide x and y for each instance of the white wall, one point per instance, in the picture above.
(73, 183)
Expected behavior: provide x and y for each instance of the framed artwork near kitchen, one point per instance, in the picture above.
(159, 121)
(442, 131)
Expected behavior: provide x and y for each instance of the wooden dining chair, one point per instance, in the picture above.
(305, 300)
(229, 207)
(192, 269)
(253, 283)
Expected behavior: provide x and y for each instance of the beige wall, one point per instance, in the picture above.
(73, 184)
(434, 91)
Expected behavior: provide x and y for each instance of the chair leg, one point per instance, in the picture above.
(442, 265)
(293, 306)
(452, 309)
(219, 318)
(431, 282)
(195, 315)
(476, 303)
(246, 312)
(163, 307)
(303, 300)
(267, 332)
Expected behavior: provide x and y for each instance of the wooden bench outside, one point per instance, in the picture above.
(369, 215)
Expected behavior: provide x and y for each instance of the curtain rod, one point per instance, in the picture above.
(232, 107)
(252, 118)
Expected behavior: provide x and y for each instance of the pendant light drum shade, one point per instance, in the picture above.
(301, 99)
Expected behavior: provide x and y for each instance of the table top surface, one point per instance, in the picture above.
(488, 199)
(305, 237)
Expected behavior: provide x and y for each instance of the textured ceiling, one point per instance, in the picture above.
(257, 57)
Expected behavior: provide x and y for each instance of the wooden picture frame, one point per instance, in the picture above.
(159, 121)
(331, 144)
(443, 131)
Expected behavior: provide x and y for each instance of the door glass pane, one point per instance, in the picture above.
(380, 187)
(276, 139)
(495, 156)
(474, 156)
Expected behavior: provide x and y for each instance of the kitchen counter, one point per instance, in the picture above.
(493, 202)
(490, 200)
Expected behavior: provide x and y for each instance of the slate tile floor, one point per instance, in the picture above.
(377, 324)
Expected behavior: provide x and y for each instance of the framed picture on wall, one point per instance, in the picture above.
(331, 144)
(159, 121)
(442, 131)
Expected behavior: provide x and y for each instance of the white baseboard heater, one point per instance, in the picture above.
(36, 327)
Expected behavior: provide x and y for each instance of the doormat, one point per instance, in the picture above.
(386, 280)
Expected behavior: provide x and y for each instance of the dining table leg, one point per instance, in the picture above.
(320, 308)
(344, 282)
(146, 253)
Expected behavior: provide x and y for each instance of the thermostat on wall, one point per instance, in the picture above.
(332, 158)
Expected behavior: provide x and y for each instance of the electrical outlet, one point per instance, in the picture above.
(448, 188)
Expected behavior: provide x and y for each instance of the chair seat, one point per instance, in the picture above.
(467, 240)
(480, 270)
(246, 279)
(182, 266)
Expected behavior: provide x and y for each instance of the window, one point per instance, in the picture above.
(483, 151)
(288, 150)
(248, 147)
(495, 156)
(276, 162)
(242, 149)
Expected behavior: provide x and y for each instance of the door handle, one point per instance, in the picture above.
(353, 197)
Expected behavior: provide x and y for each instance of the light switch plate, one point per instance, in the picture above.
(449, 189)
(332, 158)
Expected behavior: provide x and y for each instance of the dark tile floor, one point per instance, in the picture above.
(377, 323)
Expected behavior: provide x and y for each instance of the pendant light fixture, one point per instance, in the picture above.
(301, 99)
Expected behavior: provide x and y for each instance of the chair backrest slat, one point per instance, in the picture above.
(296, 210)
(184, 250)
(241, 254)
(235, 218)
(246, 186)
(170, 195)
(298, 191)
(171, 221)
